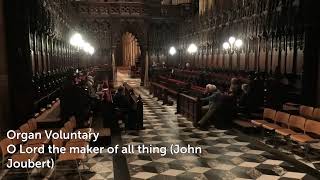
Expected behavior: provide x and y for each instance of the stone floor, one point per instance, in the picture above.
(225, 154)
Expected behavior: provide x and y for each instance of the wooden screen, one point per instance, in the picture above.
(262, 60)
(251, 61)
(300, 57)
(220, 60)
(289, 62)
(283, 60)
(242, 61)
(275, 59)
(226, 61)
(235, 61)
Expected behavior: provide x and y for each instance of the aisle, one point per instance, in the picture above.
(224, 155)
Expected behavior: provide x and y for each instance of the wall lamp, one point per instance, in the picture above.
(192, 48)
(172, 51)
(232, 44)
(77, 41)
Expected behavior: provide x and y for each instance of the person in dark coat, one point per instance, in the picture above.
(225, 111)
(120, 100)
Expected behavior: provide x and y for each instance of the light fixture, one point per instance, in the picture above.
(172, 51)
(226, 45)
(232, 40)
(91, 50)
(192, 48)
(232, 44)
(238, 43)
(77, 41)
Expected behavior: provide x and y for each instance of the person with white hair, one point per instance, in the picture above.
(213, 93)
(187, 65)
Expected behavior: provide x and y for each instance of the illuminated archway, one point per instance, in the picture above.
(130, 50)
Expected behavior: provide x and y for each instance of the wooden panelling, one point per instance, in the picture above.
(275, 59)
(226, 61)
(269, 66)
(215, 60)
(32, 56)
(220, 60)
(235, 61)
(289, 62)
(262, 60)
(251, 61)
(300, 58)
(242, 61)
(283, 60)
(210, 63)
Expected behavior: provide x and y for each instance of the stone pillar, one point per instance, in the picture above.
(142, 72)
(135, 51)
(113, 62)
(132, 51)
(127, 50)
(4, 89)
(146, 71)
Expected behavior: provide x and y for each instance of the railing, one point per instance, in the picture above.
(186, 105)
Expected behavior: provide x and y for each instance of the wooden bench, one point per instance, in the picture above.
(189, 106)
(136, 107)
(162, 92)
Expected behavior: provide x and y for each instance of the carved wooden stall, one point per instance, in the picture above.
(40, 57)
(270, 29)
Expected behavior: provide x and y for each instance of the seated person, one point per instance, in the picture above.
(244, 99)
(235, 88)
(213, 93)
(225, 111)
(120, 100)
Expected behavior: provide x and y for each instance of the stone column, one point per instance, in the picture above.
(132, 51)
(127, 49)
(146, 72)
(135, 51)
(113, 62)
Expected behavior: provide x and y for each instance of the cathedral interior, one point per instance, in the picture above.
(173, 89)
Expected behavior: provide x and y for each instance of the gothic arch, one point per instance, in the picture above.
(135, 27)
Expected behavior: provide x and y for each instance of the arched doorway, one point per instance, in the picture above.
(131, 50)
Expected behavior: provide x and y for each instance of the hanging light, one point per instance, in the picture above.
(192, 48)
(172, 51)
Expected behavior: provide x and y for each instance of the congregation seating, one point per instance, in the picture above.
(200, 78)
(31, 126)
(136, 108)
(306, 111)
(316, 114)
(294, 125)
(296, 128)
(189, 107)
